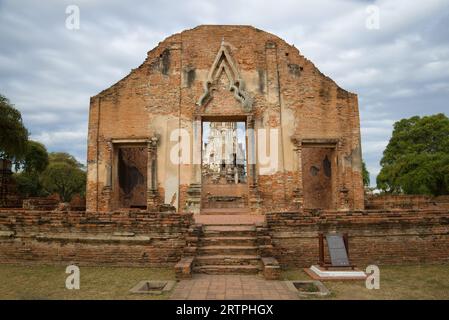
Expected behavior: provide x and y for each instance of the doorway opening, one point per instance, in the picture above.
(318, 164)
(224, 173)
(131, 169)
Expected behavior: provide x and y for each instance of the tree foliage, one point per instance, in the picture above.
(365, 173)
(35, 159)
(39, 173)
(65, 158)
(29, 185)
(13, 134)
(45, 174)
(416, 159)
(34, 162)
(64, 175)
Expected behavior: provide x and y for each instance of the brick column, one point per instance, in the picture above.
(152, 185)
(298, 195)
(108, 179)
(197, 141)
(344, 199)
(255, 200)
(105, 203)
(193, 201)
(251, 151)
(342, 192)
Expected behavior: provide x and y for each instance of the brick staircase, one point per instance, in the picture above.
(228, 249)
(231, 243)
(214, 201)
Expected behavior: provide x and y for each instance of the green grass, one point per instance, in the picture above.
(48, 282)
(396, 282)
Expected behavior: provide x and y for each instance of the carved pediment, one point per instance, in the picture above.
(224, 64)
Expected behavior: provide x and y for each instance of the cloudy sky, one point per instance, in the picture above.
(398, 67)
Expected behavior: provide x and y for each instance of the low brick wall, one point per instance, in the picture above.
(403, 201)
(375, 237)
(116, 239)
(161, 239)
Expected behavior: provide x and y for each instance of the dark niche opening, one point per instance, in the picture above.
(132, 166)
(327, 167)
(314, 170)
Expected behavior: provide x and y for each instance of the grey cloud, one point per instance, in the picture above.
(50, 72)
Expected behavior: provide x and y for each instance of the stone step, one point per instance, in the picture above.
(224, 205)
(229, 230)
(223, 202)
(212, 240)
(227, 211)
(227, 250)
(238, 227)
(229, 219)
(234, 260)
(223, 269)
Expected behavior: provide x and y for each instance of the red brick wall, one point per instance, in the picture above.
(375, 237)
(289, 94)
(276, 190)
(402, 201)
(93, 239)
(378, 237)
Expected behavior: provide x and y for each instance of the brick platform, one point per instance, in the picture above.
(375, 237)
(136, 238)
(142, 238)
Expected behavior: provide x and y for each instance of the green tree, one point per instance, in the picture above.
(36, 157)
(416, 159)
(28, 185)
(64, 175)
(65, 158)
(33, 164)
(13, 134)
(365, 173)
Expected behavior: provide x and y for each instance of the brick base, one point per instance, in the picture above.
(375, 237)
(116, 239)
(183, 268)
(162, 239)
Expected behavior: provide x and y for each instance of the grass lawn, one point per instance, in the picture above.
(48, 282)
(396, 282)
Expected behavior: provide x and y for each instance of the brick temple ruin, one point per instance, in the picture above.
(300, 129)
(225, 151)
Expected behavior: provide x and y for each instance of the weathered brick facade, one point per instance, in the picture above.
(226, 73)
(116, 238)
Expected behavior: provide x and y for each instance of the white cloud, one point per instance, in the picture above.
(53, 138)
(374, 147)
(49, 72)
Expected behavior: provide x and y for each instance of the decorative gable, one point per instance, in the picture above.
(225, 65)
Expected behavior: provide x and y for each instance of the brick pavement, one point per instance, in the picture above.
(231, 287)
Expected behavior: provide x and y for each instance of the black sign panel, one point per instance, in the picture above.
(337, 250)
